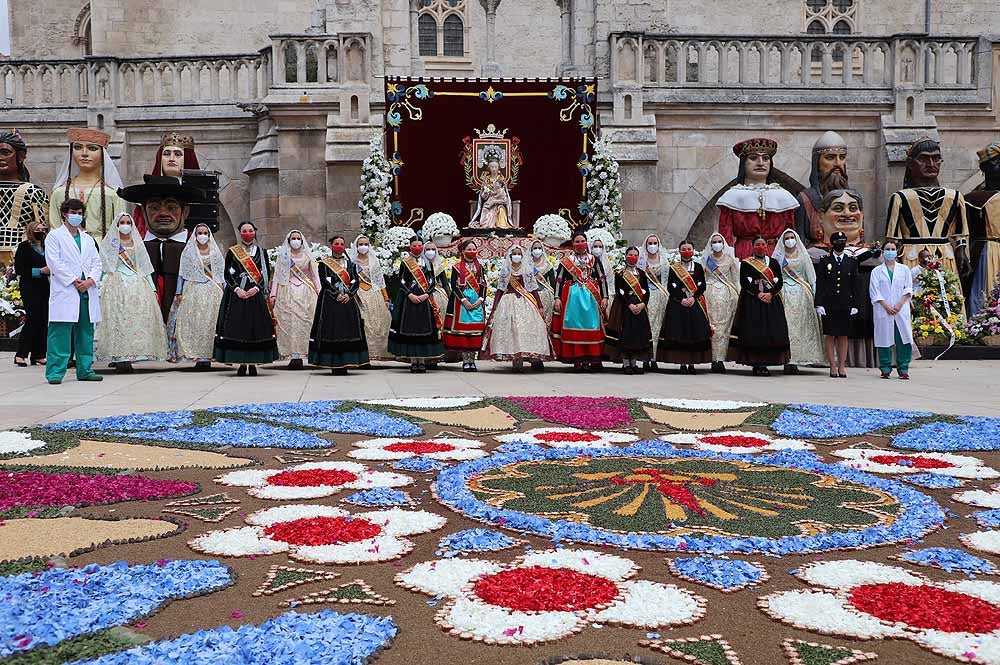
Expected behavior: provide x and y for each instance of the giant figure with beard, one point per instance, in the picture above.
(829, 172)
(166, 204)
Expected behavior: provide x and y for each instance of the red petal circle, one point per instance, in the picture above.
(541, 589)
(323, 531)
(926, 607)
(312, 478)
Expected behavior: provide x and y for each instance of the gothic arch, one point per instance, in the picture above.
(81, 30)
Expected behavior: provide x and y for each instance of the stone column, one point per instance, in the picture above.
(565, 12)
(416, 62)
(582, 31)
(491, 69)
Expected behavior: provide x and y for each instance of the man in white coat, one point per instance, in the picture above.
(891, 290)
(74, 304)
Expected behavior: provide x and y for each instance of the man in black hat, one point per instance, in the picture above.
(837, 301)
(166, 204)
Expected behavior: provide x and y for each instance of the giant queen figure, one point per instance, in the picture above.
(925, 215)
(174, 156)
(829, 172)
(90, 175)
(756, 205)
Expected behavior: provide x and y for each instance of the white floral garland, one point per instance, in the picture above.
(604, 195)
(376, 178)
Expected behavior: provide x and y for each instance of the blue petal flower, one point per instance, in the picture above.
(237, 433)
(477, 540)
(987, 518)
(722, 574)
(279, 409)
(970, 434)
(418, 464)
(323, 638)
(934, 481)
(818, 421)
(949, 560)
(356, 421)
(60, 603)
(135, 421)
(380, 496)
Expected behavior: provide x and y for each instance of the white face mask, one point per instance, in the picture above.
(718, 246)
(74, 219)
(202, 238)
(362, 250)
(125, 229)
(598, 252)
(515, 258)
(430, 254)
(653, 249)
(295, 244)
(538, 253)
(790, 243)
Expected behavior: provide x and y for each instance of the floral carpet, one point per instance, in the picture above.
(589, 531)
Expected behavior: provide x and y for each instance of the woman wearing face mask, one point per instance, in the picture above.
(798, 295)
(293, 296)
(244, 334)
(760, 332)
(517, 329)
(628, 331)
(29, 265)
(578, 310)
(722, 291)
(465, 321)
(655, 268)
(686, 338)
(199, 294)
(442, 293)
(890, 291)
(131, 327)
(338, 339)
(373, 297)
(545, 275)
(600, 254)
(414, 334)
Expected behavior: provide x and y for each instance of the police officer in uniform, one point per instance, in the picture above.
(837, 301)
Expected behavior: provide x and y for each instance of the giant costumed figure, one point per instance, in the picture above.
(829, 172)
(756, 205)
(984, 227)
(90, 175)
(21, 202)
(174, 156)
(925, 215)
(166, 204)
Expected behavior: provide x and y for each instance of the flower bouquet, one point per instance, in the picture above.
(11, 304)
(553, 229)
(938, 307)
(441, 228)
(984, 326)
(604, 196)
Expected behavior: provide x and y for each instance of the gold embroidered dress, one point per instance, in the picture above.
(200, 283)
(722, 291)
(295, 290)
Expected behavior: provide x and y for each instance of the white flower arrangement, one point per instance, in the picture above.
(879, 460)
(439, 224)
(552, 227)
(568, 437)
(376, 176)
(18, 443)
(604, 194)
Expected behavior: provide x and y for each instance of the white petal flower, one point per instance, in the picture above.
(569, 437)
(18, 443)
(241, 541)
(878, 460)
(984, 541)
(652, 604)
(703, 404)
(450, 449)
(738, 442)
(311, 480)
(981, 498)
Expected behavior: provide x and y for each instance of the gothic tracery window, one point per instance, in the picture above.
(442, 28)
(831, 16)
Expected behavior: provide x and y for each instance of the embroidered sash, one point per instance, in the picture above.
(126, 259)
(247, 262)
(540, 278)
(294, 269)
(420, 278)
(583, 281)
(801, 281)
(692, 287)
(470, 278)
(633, 283)
(653, 279)
(717, 271)
(340, 271)
(763, 268)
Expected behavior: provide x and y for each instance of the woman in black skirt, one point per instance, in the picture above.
(244, 334)
(338, 337)
(415, 332)
(627, 333)
(29, 265)
(760, 331)
(686, 335)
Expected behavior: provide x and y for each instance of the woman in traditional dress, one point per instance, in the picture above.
(686, 336)
(760, 332)
(798, 295)
(465, 321)
(655, 268)
(338, 330)
(545, 276)
(517, 329)
(293, 297)
(416, 318)
(722, 291)
(131, 327)
(199, 292)
(373, 297)
(578, 311)
(628, 332)
(600, 254)
(442, 293)
(244, 334)
(890, 291)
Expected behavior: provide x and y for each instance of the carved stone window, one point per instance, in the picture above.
(82, 31)
(442, 28)
(833, 16)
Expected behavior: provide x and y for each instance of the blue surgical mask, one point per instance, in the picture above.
(889, 254)
(74, 219)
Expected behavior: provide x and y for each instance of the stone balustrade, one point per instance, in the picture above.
(805, 68)
(105, 82)
(318, 61)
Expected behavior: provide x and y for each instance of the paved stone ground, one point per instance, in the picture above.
(954, 387)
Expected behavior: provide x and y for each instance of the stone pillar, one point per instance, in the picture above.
(416, 62)
(565, 12)
(262, 167)
(491, 69)
(582, 17)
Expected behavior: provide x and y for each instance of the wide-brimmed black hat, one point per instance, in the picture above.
(161, 187)
(838, 235)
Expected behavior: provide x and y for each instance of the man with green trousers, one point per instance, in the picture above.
(74, 302)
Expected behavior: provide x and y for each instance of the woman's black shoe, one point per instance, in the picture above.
(253, 370)
(718, 368)
(692, 370)
(241, 371)
(295, 363)
(339, 371)
(765, 371)
(21, 363)
(628, 370)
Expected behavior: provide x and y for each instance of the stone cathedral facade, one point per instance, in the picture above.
(281, 96)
